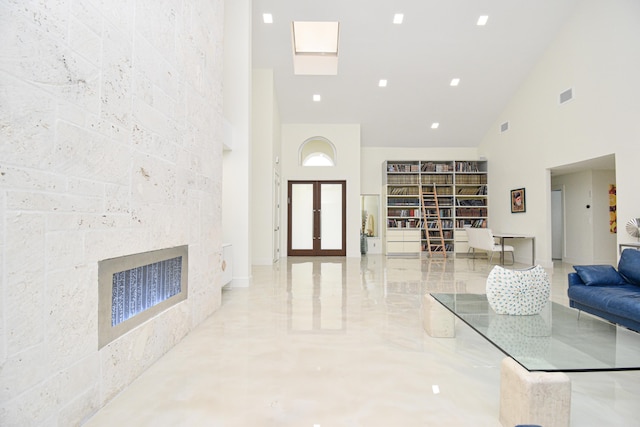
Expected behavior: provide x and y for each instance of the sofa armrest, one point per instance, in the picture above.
(574, 279)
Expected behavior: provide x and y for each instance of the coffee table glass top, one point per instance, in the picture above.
(556, 340)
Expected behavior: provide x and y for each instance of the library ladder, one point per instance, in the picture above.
(433, 223)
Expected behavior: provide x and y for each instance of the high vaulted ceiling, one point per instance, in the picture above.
(438, 41)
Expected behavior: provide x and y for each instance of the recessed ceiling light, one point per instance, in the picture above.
(317, 98)
(382, 83)
(267, 18)
(482, 20)
(435, 125)
(455, 82)
(398, 18)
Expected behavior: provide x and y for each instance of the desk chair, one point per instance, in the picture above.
(482, 239)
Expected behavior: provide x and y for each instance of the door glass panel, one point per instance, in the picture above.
(331, 216)
(302, 216)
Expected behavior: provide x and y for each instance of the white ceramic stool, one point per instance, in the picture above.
(518, 292)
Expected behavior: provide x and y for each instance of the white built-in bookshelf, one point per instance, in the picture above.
(461, 191)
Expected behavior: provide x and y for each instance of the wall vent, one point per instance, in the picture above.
(566, 96)
(504, 127)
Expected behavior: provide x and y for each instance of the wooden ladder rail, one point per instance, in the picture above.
(438, 221)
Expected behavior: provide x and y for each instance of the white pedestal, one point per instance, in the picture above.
(437, 321)
(374, 245)
(539, 398)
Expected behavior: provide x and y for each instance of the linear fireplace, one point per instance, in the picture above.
(134, 288)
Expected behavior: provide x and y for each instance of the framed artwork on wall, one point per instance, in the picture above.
(613, 215)
(518, 201)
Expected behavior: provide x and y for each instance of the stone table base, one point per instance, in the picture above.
(437, 321)
(539, 398)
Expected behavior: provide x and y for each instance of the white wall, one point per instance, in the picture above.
(346, 138)
(110, 144)
(265, 149)
(236, 182)
(596, 54)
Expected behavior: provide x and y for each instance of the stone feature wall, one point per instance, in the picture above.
(110, 144)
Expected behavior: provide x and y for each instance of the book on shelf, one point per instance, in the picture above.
(432, 213)
(446, 223)
(402, 167)
(447, 234)
(436, 167)
(403, 213)
(402, 191)
(437, 179)
(470, 202)
(403, 201)
(467, 167)
(470, 212)
(403, 179)
(471, 223)
(472, 190)
(471, 179)
(403, 223)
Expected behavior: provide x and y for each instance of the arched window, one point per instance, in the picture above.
(317, 151)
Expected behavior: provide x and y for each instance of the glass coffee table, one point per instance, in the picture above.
(556, 340)
(540, 350)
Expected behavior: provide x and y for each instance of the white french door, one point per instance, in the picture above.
(317, 217)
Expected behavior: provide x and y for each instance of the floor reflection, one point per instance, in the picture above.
(317, 291)
(340, 342)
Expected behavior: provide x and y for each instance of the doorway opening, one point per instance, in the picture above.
(588, 234)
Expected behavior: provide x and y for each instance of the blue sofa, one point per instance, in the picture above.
(608, 293)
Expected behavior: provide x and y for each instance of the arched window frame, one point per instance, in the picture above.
(325, 150)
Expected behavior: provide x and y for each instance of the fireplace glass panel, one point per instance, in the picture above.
(140, 288)
(132, 289)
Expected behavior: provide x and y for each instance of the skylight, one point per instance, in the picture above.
(315, 37)
(267, 18)
(398, 18)
(315, 47)
(482, 20)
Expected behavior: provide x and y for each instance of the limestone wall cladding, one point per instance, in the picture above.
(110, 144)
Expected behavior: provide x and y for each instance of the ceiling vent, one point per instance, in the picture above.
(566, 96)
(504, 127)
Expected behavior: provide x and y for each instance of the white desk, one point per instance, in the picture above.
(503, 236)
(628, 245)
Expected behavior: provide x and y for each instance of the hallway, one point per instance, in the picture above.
(339, 342)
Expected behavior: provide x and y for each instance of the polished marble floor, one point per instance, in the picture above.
(339, 342)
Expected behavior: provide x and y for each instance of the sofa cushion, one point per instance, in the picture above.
(621, 301)
(629, 266)
(599, 275)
